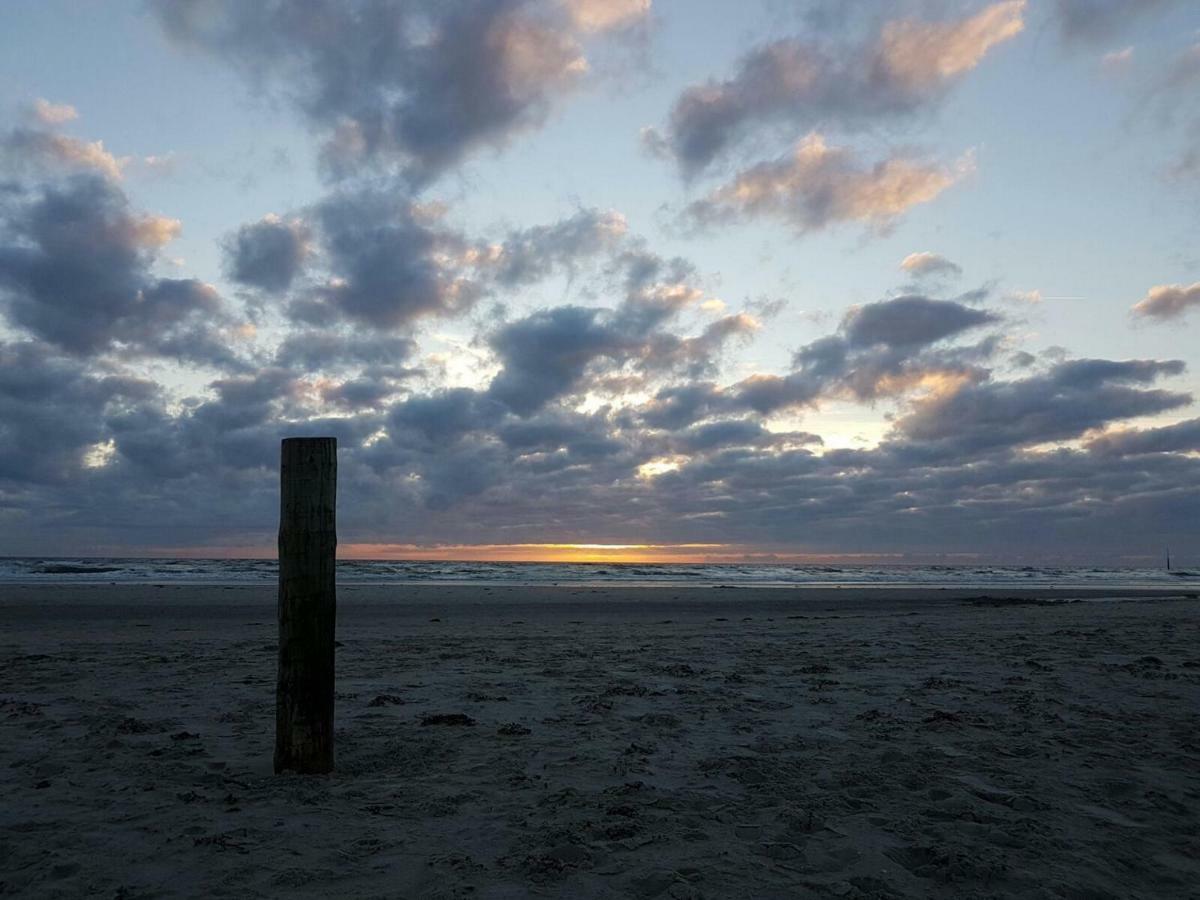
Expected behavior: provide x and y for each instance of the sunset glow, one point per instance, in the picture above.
(558, 553)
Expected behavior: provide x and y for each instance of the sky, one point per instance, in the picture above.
(604, 279)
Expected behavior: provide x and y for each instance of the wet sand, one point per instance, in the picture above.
(615, 742)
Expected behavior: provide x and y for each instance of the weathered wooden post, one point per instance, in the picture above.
(307, 605)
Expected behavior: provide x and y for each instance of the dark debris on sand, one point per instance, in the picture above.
(450, 719)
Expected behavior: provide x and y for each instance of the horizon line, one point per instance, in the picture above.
(595, 553)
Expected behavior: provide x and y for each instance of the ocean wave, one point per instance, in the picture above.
(262, 571)
(73, 569)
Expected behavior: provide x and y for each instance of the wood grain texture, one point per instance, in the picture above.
(307, 605)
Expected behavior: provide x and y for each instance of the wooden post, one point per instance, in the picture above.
(307, 605)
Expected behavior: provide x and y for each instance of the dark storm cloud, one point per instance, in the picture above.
(455, 445)
(546, 354)
(475, 470)
(268, 254)
(552, 352)
(246, 400)
(878, 499)
(800, 82)
(446, 415)
(1063, 403)
(875, 500)
(880, 350)
(578, 437)
(382, 260)
(75, 270)
(699, 355)
(911, 321)
(1180, 437)
(678, 406)
(713, 436)
(730, 432)
(53, 409)
(421, 82)
(1100, 20)
(1086, 373)
(765, 394)
(531, 254)
(319, 350)
(384, 255)
(236, 430)
(370, 389)
(888, 347)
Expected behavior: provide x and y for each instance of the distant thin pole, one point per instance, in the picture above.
(307, 605)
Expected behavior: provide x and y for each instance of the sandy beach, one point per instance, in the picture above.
(607, 742)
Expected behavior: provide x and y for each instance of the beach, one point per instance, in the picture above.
(584, 741)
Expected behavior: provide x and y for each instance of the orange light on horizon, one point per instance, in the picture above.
(686, 553)
(548, 552)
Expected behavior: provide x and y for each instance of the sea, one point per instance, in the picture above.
(44, 570)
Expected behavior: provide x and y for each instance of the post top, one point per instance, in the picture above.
(312, 440)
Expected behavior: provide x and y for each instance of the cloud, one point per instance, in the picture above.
(389, 262)
(372, 389)
(726, 433)
(1180, 437)
(48, 113)
(883, 349)
(531, 254)
(907, 67)
(75, 271)
(422, 85)
(1175, 95)
(333, 350)
(1184, 71)
(922, 56)
(1071, 398)
(818, 185)
(546, 356)
(1098, 20)
(447, 415)
(678, 406)
(476, 473)
(577, 435)
(887, 349)
(385, 261)
(1187, 166)
(925, 263)
(1030, 297)
(269, 254)
(40, 149)
(161, 164)
(53, 409)
(591, 16)
(1117, 59)
(1168, 301)
(911, 321)
(697, 463)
